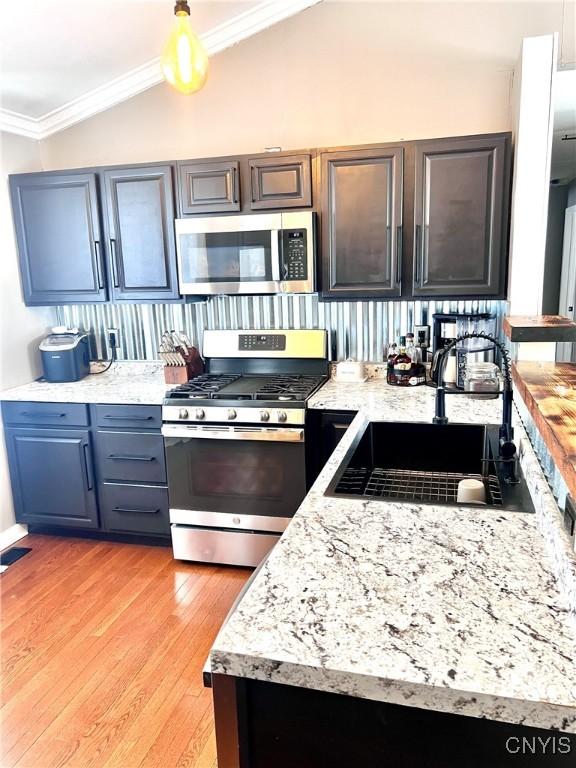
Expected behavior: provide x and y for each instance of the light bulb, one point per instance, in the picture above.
(184, 61)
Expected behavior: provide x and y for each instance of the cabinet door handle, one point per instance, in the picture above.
(128, 418)
(88, 467)
(131, 510)
(45, 415)
(117, 457)
(98, 264)
(417, 254)
(399, 255)
(114, 260)
(234, 192)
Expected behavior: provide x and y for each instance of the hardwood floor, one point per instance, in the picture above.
(102, 649)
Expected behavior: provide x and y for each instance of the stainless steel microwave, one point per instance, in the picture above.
(263, 253)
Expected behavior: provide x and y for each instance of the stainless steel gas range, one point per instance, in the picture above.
(236, 444)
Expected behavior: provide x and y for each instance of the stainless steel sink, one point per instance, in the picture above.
(423, 463)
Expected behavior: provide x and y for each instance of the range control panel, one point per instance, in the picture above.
(294, 254)
(262, 342)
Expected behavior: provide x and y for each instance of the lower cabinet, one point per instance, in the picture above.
(324, 430)
(52, 476)
(131, 469)
(112, 480)
(333, 426)
(134, 508)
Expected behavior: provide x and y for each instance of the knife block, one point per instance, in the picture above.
(176, 374)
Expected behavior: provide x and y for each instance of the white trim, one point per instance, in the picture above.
(241, 27)
(12, 535)
(14, 122)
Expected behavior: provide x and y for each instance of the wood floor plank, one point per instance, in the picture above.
(103, 657)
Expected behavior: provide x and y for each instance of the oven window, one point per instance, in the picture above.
(226, 257)
(245, 476)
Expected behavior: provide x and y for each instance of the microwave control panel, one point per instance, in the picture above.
(294, 254)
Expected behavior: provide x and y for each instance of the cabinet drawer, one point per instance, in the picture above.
(134, 508)
(133, 457)
(129, 416)
(49, 414)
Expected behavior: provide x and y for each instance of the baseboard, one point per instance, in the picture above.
(12, 535)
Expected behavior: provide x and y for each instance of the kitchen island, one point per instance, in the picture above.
(432, 619)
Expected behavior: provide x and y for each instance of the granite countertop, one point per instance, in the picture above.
(130, 383)
(451, 609)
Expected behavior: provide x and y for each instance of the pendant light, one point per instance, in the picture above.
(184, 61)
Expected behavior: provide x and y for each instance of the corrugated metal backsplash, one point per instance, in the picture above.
(359, 329)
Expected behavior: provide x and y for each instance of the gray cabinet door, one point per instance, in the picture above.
(139, 206)
(460, 216)
(280, 182)
(52, 476)
(56, 218)
(362, 223)
(210, 187)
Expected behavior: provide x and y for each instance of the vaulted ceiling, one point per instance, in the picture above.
(63, 60)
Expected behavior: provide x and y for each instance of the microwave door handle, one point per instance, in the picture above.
(275, 254)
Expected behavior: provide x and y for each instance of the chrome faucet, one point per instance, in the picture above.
(507, 448)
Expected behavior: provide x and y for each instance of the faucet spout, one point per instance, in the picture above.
(507, 450)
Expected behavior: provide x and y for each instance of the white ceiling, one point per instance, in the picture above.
(563, 166)
(64, 60)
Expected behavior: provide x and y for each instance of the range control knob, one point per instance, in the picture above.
(231, 414)
(282, 416)
(264, 416)
(200, 413)
(183, 413)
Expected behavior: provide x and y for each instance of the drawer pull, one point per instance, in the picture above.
(115, 457)
(132, 511)
(129, 418)
(45, 415)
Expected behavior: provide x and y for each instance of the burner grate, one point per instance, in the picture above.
(408, 485)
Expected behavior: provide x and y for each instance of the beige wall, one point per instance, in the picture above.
(20, 326)
(338, 73)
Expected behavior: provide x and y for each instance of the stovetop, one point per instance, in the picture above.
(239, 388)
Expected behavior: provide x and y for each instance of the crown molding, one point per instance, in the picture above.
(225, 35)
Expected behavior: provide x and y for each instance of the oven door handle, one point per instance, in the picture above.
(232, 433)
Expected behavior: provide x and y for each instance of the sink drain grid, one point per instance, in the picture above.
(411, 485)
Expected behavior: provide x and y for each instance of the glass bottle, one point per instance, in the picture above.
(392, 354)
(402, 364)
(422, 346)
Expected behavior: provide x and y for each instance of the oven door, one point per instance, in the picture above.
(252, 478)
(229, 254)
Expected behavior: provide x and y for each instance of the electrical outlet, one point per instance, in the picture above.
(113, 338)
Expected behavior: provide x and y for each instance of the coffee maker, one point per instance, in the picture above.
(446, 327)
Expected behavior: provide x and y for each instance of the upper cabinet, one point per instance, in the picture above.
(209, 187)
(362, 222)
(57, 222)
(414, 219)
(139, 216)
(280, 182)
(461, 216)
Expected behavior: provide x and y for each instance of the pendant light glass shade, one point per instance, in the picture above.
(184, 61)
